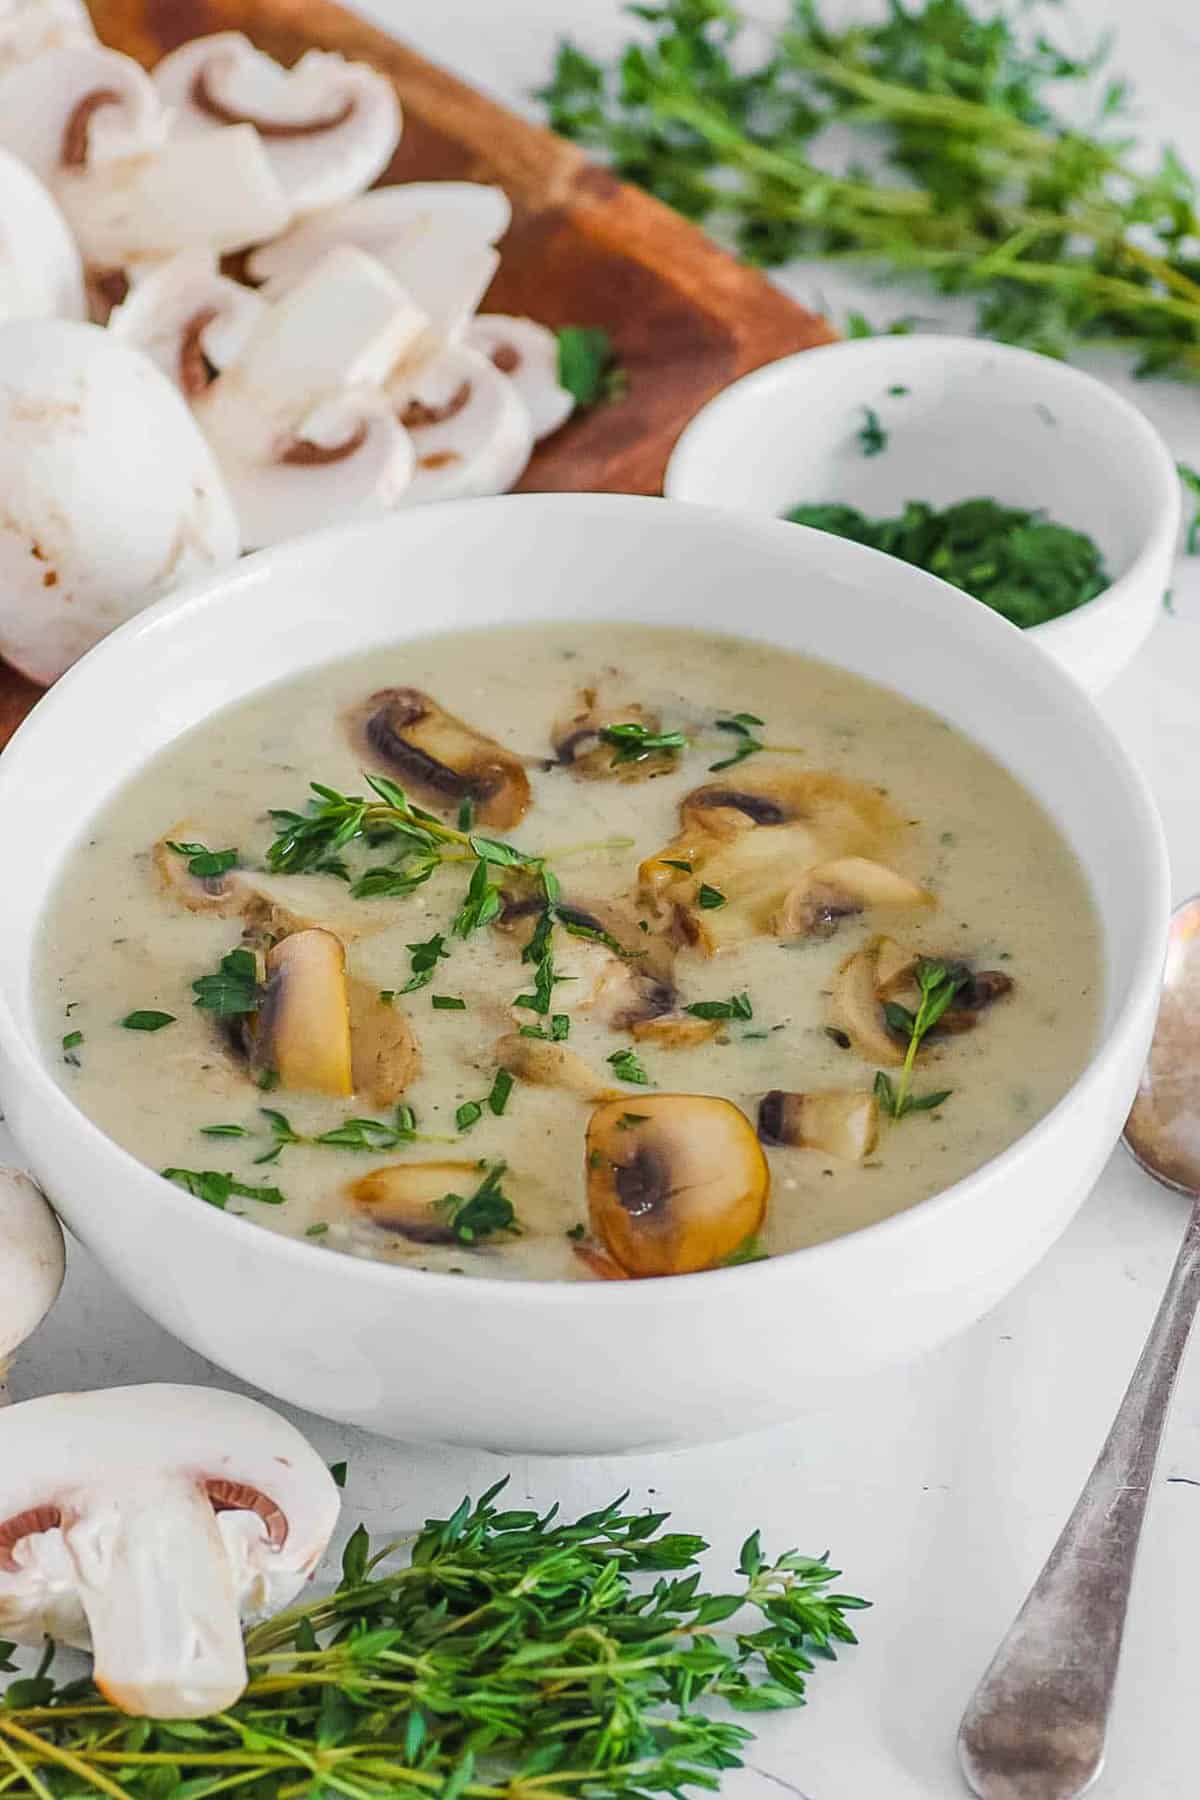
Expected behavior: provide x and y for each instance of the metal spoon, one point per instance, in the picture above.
(1035, 1725)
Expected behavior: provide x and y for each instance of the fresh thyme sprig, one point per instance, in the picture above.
(938, 985)
(633, 743)
(511, 1654)
(1062, 233)
(485, 1212)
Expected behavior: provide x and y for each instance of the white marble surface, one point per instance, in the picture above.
(941, 1487)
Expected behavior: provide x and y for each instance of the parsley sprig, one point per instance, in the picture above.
(938, 985)
(570, 1656)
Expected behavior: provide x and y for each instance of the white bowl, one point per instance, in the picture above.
(609, 1365)
(977, 419)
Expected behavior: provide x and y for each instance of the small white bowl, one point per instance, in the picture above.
(566, 1366)
(974, 419)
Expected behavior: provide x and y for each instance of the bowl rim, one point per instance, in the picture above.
(223, 589)
(1139, 437)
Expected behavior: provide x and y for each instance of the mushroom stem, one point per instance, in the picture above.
(155, 1583)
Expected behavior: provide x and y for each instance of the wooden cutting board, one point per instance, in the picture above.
(583, 249)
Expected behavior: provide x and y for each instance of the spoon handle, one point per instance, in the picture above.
(1035, 1725)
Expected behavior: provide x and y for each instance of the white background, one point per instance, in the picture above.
(939, 1488)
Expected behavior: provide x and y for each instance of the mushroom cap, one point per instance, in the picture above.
(409, 217)
(410, 734)
(329, 127)
(75, 105)
(96, 522)
(406, 1197)
(528, 354)
(472, 433)
(185, 315)
(32, 1260)
(28, 28)
(676, 1182)
(216, 193)
(41, 276)
(143, 1521)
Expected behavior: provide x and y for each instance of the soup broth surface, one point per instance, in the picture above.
(1006, 895)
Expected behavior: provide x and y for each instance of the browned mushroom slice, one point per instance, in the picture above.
(579, 747)
(546, 1064)
(675, 1030)
(223, 896)
(981, 989)
(385, 1055)
(842, 1122)
(894, 965)
(857, 1010)
(836, 890)
(676, 1182)
(444, 759)
(756, 841)
(407, 1197)
(621, 987)
(301, 1032)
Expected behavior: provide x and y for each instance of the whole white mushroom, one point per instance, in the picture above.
(110, 495)
(32, 1264)
(41, 276)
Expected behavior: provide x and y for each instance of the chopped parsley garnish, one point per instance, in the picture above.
(233, 989)
(501, 1088)
(147, 1019)
(710, 897)
(337, 1469)
(217, 1189)
(740, 726)
(1020, 563)
(633, 743)
(70, 1044)
(736, 1007)
(485, 1212)
(315, 1231)
(226, 1131)
(577, 1233)
(560, 1028)
(587, 365)
(468, 1114)
(447, 1003)
(627, 1067)
(204, 863)
(750, 1250)
(423, 959)
(872, 438)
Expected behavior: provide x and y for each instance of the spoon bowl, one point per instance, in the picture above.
(1163, 1128)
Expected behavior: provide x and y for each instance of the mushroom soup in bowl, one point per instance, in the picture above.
(207, 713)
(620, 967)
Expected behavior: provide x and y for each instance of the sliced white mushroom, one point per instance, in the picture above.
(841, 1122)
(145, 1523)
(29, 28)
(471, 431)
(32, 1264)
(423, 222)
(41, 276)
(304, 433)
(216, 193)
(111, 496)
(543, 1063)
(528, 354)
(329, 127)
(78, 106)
(188, 318)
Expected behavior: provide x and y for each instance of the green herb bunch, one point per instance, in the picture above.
(985, 187)
(512, 1655)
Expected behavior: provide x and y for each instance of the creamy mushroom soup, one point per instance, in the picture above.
(647, 951)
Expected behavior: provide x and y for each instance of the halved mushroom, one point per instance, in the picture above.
(543, 1063)
(32, 1264)
(41, 276)
(755, 839)
(856, 1006)
(329, 127)
(528, 354)
(301, 1032)
(411, 219)
(405, 1197)
(31, 28)
(188, 318)
(270, 906)
(144, 1523)
(111, 496)
(978, 990)
(836, 890)
(675, 1182)
(75, 105)
(625, 986)
(579, 747)
(407, 733)
(303, 432)
(217, 193)
(472, 434)
(385, 1056)
(674, 1030)
(842, 1122)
